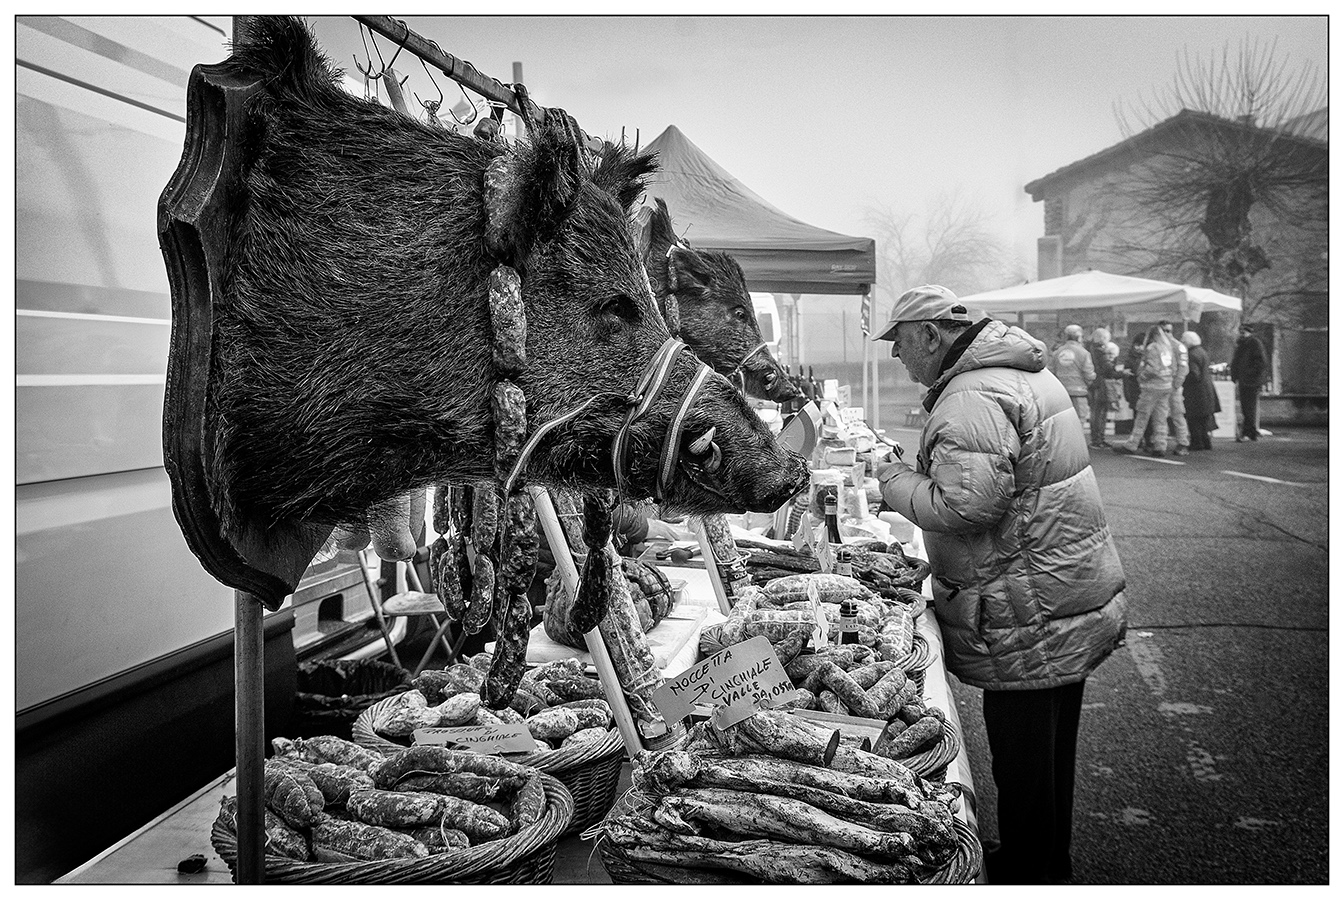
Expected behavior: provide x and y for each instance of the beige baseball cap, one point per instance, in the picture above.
(926, 303)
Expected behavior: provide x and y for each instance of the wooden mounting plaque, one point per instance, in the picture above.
(193, 221)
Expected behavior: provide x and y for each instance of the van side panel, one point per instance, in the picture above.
(104, 581)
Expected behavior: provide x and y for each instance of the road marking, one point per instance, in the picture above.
(1201, 763)
(1148, 660)
(1265, 478)
(1156, 459)
(1183, 709)
(1131, 816)
(1252, 824)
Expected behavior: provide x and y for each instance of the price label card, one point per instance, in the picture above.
(825, 555)
(851, 414)
(488, 739)
(820, 626)
(737, 681)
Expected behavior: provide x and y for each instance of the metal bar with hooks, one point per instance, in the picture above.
(461, 71)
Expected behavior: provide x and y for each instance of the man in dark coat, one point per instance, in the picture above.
(1099, 392)
(1249, 362)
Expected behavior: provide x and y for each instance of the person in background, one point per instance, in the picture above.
(1176, 418)
(1130, 385)
(1072, 364)
(1159, 362)
(1002, 481)
(1200, 394)
(1099, 395)
(1248, 371)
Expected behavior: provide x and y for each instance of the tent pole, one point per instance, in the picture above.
(864, 367)
(877, 403)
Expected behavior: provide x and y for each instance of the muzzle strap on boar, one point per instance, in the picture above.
(640, 401)
(737, 375)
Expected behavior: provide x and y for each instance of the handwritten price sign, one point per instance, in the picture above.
(502, 738)
(737, 681)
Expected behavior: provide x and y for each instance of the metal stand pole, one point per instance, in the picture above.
(249, 736)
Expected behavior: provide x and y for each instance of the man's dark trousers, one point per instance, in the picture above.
(1249, 396)
(1033, 738)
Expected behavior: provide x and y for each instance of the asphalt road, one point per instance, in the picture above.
(1203, 754)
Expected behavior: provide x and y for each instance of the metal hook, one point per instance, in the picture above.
(367, 70)
(386, 65)
(431, 106)
(475, 113)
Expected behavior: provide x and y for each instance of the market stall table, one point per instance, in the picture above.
(151, 854)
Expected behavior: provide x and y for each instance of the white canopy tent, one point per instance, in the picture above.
(1094, 289)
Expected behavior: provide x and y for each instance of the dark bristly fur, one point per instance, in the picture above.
(352, 337)
(714, 308)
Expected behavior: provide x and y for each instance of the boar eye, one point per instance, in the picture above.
(740, 314)
(623, 307)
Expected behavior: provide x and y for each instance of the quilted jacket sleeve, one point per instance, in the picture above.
(966, 484)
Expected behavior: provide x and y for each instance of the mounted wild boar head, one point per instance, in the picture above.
(352, 337)
(712, 306)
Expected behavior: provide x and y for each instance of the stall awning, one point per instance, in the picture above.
(1094, 289)
(778, 253)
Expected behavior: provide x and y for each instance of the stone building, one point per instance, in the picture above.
(1106, 212)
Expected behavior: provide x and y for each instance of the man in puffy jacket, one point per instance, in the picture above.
(1180, 430)
(1155, 373)
(1027, 587)
(1072, 364)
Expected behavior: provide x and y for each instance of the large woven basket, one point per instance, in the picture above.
(590, 773)
(527, 857)
(961, 869)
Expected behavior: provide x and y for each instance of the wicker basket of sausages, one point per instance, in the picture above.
(774, 800)
(563, 709)
(337, 813)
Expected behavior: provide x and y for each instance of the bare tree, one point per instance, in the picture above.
(1230, 187)
(951, 244)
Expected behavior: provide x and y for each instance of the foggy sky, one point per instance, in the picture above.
(827, 116)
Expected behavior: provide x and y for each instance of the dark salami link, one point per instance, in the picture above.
(447, 579)
(509, 407)
(518, 554)
(482, 600)
(506, 669)
(460, 501)
(508, 323)
(484, 516)
(443, 508)
(595, 586)
(520, 544)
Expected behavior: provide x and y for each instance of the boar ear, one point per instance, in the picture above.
(623, 173)
(538, 191)
(693, 277)
(661, 235)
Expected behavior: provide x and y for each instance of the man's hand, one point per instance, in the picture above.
(889, 468)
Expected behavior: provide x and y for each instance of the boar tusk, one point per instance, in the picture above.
(715, 458)
(702, 443)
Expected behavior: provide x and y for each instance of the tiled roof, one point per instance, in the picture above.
(1307, 128)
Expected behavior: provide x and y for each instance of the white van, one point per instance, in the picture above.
(767, 316)
(123, 643)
